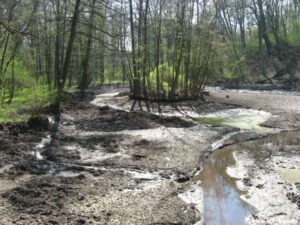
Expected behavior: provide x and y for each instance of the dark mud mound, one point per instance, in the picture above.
(78, 96)
(109, 120)
(18, 143)
(44, 198)
(55, 200)
(38, 123)
(36, 167)
(14, 128)
(76, 100)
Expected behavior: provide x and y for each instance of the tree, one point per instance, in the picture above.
(85, 64)
(64, 72)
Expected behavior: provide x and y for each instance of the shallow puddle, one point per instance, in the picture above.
(289, 175)
(245, 119)
(222, 202)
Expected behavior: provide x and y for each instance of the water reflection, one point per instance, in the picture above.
(222, 202)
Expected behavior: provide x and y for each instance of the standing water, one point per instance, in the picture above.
(222, 202)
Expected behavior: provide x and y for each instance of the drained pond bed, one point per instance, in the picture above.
(109, 165)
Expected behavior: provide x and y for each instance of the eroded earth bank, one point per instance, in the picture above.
(110, 160)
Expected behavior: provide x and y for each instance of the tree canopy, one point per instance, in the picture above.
(161, 49)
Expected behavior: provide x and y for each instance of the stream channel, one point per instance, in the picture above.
(222, 201)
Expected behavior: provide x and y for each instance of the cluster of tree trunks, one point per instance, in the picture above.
(170, 55)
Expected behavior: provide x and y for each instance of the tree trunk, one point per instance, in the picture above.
(65, 68)
(263, 27)
(85, 65)
(136, 81)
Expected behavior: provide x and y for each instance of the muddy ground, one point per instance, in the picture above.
(115, 161)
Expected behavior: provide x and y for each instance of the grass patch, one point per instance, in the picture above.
(25, 103)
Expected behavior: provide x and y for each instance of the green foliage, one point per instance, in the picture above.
(294, 34)
(234, 68)
(165, 72)
(25, 102)
(22, 79)
(23, 74)
(113, 77)
(166, 77)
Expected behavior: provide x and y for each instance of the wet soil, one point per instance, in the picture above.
(284, 105)
(108, 165)
(104, 166)
(260, 161)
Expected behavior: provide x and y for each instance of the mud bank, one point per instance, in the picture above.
(105, 166)
(110, 165)
(259, 162)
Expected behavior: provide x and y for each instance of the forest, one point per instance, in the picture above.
(155, 112)
(161, 49)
